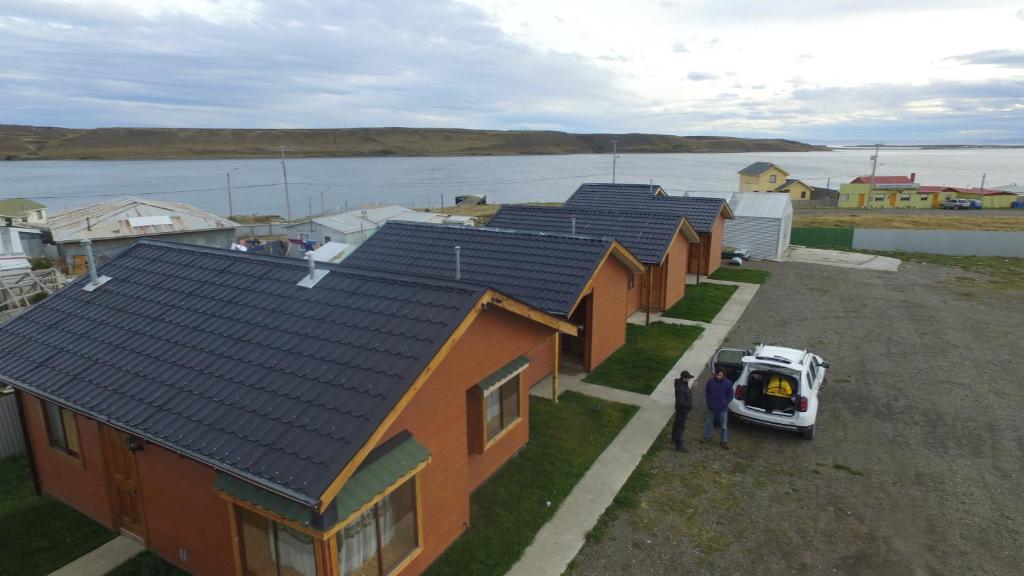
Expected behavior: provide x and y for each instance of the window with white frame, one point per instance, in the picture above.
(772, 178)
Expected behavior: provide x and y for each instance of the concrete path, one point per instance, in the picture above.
(103, 559)
(558, 541)
(843, 259)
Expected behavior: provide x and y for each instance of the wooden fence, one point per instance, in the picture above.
(11, 440)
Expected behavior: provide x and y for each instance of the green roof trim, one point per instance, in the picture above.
(15, 206)
(264, 499)
(383, 467)
(504, 373)
(379, 472)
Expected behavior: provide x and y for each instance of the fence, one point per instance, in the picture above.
(260, 230)
(822, 237)
(11, 440)
(950, 242)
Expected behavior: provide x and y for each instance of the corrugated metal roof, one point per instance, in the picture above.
(753, 204)
(646, 234)
(221, 356)
(547, 271)
(372, 218)
(113, 220)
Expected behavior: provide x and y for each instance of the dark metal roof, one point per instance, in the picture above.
(700, 212)
(221, 356)
(646, 234)
(757, 168)
(547, 271)
(617, 187)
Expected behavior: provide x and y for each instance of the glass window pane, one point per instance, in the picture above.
(296, 552)
(70, 430)
(510, 401)
(54, 425)
(357, 546)
(398, 525)
(493, 418)
(257, 541)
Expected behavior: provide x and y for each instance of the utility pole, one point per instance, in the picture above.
(615, 157)
(310, 200)
(442, 201)
(983, 183)
(231, 207)
(322, 202)
(828, 190)
(874, 167)
(287, 196)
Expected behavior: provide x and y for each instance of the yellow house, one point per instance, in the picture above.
(883, 192)
(796, 189)
(989, 198)
(762, 177)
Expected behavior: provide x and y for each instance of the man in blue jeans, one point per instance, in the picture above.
(718, 393)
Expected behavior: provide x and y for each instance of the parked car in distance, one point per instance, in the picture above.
(774, 386)
(960, 204)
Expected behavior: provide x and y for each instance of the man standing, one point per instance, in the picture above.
(684, 403)
(718, 393)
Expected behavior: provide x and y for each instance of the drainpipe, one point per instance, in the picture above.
(700, 258)
(650, 293)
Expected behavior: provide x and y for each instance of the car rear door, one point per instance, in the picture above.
(730, 359)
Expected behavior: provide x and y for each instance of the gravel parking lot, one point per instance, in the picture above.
(917, 467)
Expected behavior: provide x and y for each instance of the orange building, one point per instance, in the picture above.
(242, 414)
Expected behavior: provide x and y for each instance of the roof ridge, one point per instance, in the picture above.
(499, 230)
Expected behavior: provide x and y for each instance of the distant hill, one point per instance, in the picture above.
(34, 142)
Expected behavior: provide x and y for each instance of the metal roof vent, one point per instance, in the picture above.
(458, 262)
(314, 276)
(95, 281)
(573, 225)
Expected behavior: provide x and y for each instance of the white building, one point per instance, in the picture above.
(762, 224)
(355, 226)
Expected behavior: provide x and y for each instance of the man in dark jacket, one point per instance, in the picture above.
(718, 393)
(684, 403)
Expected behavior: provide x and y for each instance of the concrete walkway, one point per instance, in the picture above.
(843, 259)
(558, 541)
(103, 559)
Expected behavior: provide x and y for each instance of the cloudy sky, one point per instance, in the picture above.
(832, 71)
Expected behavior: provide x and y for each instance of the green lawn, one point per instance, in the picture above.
(631, 492)
(39, 535)
(508, 510)
(649, 353)
(702, 302)
(748, 275)
(147, 564)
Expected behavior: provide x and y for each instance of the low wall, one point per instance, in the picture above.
(951, 242)
(260, 230)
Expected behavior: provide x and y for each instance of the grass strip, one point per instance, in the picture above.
(508, 510)
(39, 535)
(649, 353)
(746, 275)
(702, 302)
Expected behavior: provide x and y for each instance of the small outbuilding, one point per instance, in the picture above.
(762, 221)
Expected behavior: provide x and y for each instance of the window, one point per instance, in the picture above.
(924, 197)
(382, 537)
(501, 407)
(846, 197)
(772, 178)
(904, 198)
(304, 236)
(273, 549)
(879, 198)
(327, 239)
(61, 428)
(803, 193)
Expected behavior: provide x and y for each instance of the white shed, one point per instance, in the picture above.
(762, 224)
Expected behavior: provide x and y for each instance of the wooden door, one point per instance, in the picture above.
(860, 201)
(123, 481)
(657, 284)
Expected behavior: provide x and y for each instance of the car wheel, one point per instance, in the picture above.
(807, 433)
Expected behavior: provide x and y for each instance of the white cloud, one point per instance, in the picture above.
(701, 76)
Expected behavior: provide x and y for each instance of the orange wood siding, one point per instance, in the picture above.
(634, 295)
(79, 485)
(438, 417)
(675, 271)
(607, 327)
(184, 513)
(715, 246)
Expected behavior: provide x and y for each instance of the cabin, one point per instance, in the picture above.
(581, 279)
(661, 241)
(247, 414)
(355, 226)
(114, 226)
(707, 216)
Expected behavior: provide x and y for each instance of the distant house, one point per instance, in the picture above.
(355, 226)
(116, 225)
(883, 192)
(762, 222)
(989, 197)
(797, 189)
(762, 177)
(707, 216)
(662, 241)
(237, 416)
(13, 258)
(23, 211)
(582, 279)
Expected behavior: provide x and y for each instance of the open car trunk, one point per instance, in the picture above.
(772, 391)
(730, 360)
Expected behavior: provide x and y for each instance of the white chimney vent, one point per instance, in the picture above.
(314, 275)
(95, 281)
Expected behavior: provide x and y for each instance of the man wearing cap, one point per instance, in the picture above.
(684, 403)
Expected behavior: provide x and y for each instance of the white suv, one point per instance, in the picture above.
(774, 386)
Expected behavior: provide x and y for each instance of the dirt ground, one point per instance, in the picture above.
(919, 459)
(911, 219)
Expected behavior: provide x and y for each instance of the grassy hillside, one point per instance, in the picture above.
(32, 142)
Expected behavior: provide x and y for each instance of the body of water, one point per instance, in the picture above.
(419, 182)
